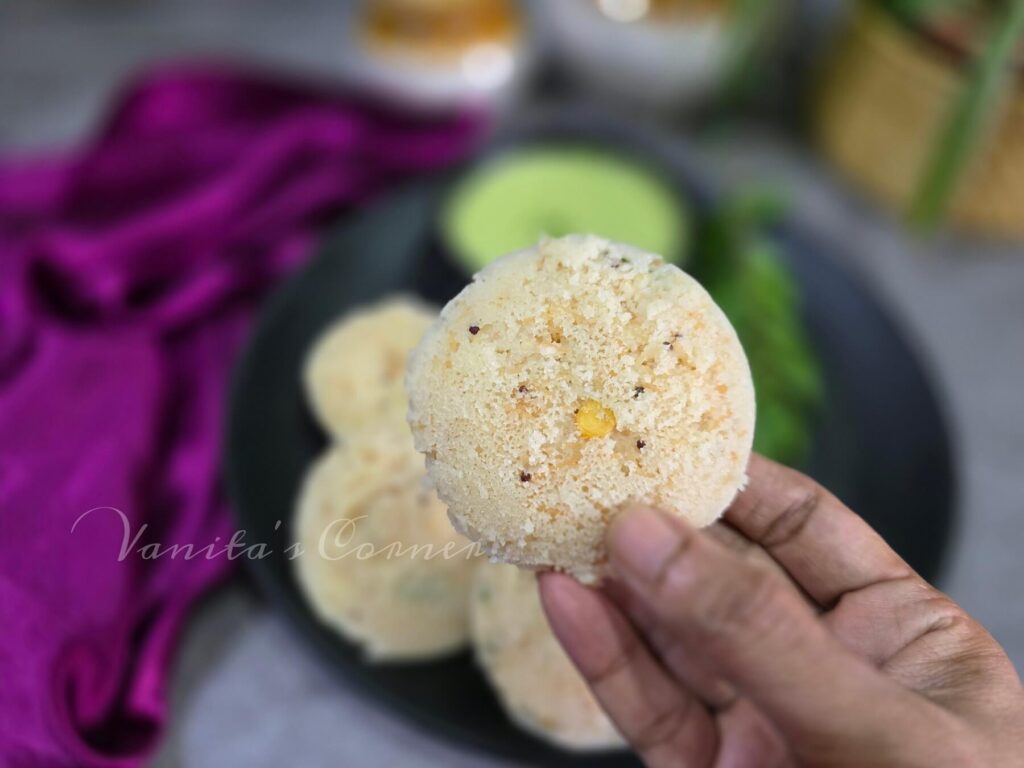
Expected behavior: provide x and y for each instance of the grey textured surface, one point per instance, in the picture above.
(246, 692)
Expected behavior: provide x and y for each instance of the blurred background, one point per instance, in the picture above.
(892, 131)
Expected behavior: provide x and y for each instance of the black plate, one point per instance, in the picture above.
(881, 445)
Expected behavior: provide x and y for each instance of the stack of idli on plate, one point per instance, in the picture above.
(380, 561)
(382, 565)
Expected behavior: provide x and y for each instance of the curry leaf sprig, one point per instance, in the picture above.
(741, 268)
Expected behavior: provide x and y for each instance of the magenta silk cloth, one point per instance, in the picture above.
(128, 276)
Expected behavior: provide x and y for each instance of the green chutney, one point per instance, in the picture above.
(554, 190)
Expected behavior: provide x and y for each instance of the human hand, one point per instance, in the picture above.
(844, 656)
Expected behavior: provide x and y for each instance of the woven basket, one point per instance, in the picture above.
(884, 100)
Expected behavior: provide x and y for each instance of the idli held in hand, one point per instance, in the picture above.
(568, 380)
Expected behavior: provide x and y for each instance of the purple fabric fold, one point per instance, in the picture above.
(129, 272)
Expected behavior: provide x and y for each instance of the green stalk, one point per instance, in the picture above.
(992, 75)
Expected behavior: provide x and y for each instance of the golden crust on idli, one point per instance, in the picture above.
(354, 374)
(569, 379)
(380, 560)
(538, 685)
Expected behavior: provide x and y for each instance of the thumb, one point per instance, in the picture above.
(763, 639)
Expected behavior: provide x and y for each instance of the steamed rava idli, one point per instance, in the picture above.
(569, 379)
(354, 375)
(380, 561)
(538, 686)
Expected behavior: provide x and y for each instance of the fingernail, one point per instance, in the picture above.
(640, 542)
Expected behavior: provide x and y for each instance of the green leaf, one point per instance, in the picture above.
(740, 267)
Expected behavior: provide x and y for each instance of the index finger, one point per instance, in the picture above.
(827, 548)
